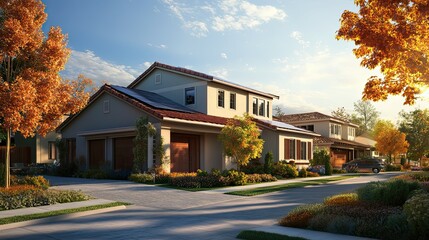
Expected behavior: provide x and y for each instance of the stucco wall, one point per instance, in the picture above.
(226, 111)
(173, 87)
(212, 152)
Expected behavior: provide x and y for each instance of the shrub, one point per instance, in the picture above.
(2, 172)
(67, 169)
(254, 166)
(268, 163)
(320, 157)
(420, 176)
(393, 167)
(342, 199)
(216, 172)
(185, 182)
(338, 171)
(425, 186)
(320, 221)
(425, 169)
(417, 212)
(342, 224)
(284, 170)
(312, 174)
(328, 167)
(406, 166)
(37, 181)
(201, 173)
(394, 192)
(302, 173)
(300, 216)
(258, 178)
(236, 178)
(141, 177)
(396, 227)
(20, 196)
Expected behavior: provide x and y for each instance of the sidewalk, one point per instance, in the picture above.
(55, 207)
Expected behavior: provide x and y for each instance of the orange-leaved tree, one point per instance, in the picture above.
(389, 140)
(394, 36)
(241, 140)
(33, 96)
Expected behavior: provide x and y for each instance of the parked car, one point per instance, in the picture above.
(362, 165)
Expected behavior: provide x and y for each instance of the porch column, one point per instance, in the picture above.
(149, 152)
(166, 135)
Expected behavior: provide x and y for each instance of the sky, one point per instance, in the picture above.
(284, 47)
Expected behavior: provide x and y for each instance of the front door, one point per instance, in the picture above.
(184, 152)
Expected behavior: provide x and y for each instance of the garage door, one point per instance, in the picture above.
(185, 151)
(123, 153)
(96, 153)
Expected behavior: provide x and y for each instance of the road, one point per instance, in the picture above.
(162, 213)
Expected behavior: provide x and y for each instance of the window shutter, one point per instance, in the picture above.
(298, 149)
(287, 149)
(309, 150)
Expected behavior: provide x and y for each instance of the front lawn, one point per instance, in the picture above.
(258, 235)
(264, 190)
(394, 209)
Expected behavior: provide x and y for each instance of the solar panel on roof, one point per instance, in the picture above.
(153, 99)
(285, 125)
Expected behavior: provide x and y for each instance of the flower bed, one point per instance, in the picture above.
(395, 209)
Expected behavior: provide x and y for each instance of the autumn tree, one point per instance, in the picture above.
(33, 96)
(341, 113)
(415, 125)
(365, 115)
(394, 37)
(389, 140)
(241, 140)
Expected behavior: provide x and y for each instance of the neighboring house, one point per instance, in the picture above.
(367, 139)
(35, 149)
(188, 109)
(337, 136)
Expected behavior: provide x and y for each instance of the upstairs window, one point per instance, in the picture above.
(335, 129)
(261, 107)
(352, 132)
(232, 101)
(221, 98)
(268, 109)
(190, 95)
(255, 106)
(106, 106)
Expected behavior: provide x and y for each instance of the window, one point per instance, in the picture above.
(291, 149)
(307, 127)
(220, 98)
(261, 107)
(232, 101)
(335, 129)
(352, 132)
(304, 150)
(158, 79)
(106, 106)
(190, 95)
(52, 151)
(268, 109)
(255, 106)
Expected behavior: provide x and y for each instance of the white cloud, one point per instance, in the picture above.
(221, 73)
(97, 69)
(224, 55)
(162, 46)
(147, 64)
(224, 15)
(298, 37)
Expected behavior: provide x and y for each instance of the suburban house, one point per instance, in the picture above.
(36, 149)
(188, 110)
(338, 136)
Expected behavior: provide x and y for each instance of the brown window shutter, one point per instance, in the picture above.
(287, 149)
(298, 149)
(309, 150)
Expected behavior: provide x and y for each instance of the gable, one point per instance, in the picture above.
(105, 112)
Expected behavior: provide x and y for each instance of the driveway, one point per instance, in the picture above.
(161, 213)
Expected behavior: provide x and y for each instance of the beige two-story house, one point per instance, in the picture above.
(338, 136)
(188, 109)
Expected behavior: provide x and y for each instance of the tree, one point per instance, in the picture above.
(241, 140)
(33, 96)
(389, 140)
(365, 116)
(278, 112)
(415, 125)
(341, 114)
(394, 36)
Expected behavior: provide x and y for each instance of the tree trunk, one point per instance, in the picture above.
(7, 165)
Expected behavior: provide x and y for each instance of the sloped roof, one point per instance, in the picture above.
(312, 116)
(167, 109)
(339, 143)
(203, 76)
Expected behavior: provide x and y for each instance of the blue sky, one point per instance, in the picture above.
(287, 48)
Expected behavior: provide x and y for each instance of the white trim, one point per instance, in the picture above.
(108, 130)
(193, 122)
(295, 131)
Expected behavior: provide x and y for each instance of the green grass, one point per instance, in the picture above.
(258, 235)
(57, 213)
(264, 190)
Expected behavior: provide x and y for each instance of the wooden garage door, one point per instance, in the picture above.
(96, 153)
(123, 153)
(185, 151)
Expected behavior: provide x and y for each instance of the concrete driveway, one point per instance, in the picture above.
(161, 213)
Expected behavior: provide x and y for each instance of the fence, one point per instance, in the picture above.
(17, 155)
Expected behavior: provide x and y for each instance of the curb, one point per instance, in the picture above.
(60, 217)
